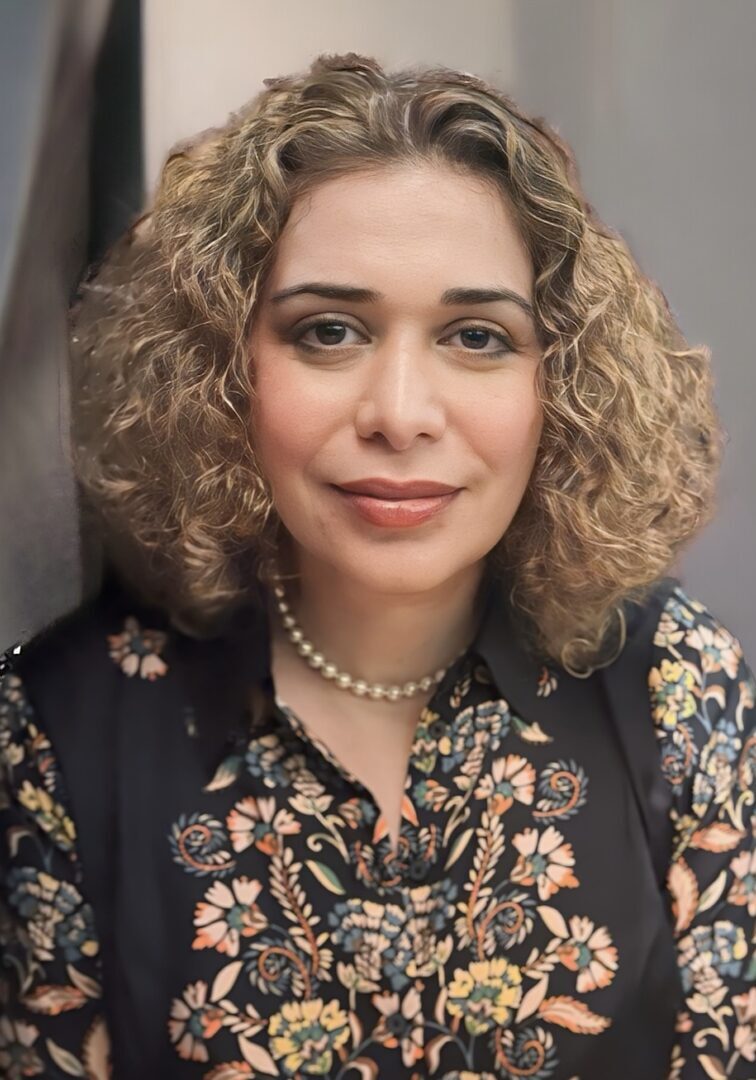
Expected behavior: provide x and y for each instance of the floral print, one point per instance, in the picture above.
(702, 694)
(137, 650)
(305, 1034)
(227, 915)
(480, 945)
(485, 994)
(50, 969)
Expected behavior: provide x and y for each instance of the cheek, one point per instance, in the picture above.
(288, 425)
(506, 431)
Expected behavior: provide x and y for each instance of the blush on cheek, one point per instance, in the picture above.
(506, 436)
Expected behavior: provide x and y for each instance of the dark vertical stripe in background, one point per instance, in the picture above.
(117, 160)
(70, 180)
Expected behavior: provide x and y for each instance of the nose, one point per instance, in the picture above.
(401, 395)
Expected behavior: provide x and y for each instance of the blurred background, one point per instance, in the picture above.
(655, 96)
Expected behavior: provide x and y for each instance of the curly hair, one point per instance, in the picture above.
(163, 382)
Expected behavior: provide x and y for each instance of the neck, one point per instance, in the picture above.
(384, 637)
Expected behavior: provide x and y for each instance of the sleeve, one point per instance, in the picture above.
(702, 693)
(51, 1018)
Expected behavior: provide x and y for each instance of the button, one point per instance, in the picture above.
(418, 869)
(437, 729)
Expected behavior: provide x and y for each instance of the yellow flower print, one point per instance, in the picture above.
(306, 1033)
(48, 814)
(672, 689)
(544, 859)
(228, 914)
(486, 994)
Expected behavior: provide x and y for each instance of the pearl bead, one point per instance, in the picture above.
(343, 679)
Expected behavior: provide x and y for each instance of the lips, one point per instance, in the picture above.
(392, 489)
(396, 513)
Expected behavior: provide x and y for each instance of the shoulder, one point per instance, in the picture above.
(111, 628)
(64, 678)
(702, 694)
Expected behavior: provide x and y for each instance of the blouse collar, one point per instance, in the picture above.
(229, 673)
(225, 674)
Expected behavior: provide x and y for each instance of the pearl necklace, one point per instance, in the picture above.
(342, 679)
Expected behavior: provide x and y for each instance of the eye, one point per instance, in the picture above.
(476, 333)
(330, 333)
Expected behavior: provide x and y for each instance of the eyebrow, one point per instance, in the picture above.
(449, 298)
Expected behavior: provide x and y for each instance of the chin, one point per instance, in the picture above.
(397, 572)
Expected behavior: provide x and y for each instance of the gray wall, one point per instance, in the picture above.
(47, 53)
(658, 101)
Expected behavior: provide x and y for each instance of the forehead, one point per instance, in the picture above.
(405, 225)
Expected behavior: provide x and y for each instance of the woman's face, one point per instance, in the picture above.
(406, 383)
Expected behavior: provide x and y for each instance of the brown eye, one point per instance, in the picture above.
(329, 332)
(478, 337)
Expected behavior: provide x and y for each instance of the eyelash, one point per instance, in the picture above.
(326, 321)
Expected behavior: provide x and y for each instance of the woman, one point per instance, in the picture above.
(388, 747)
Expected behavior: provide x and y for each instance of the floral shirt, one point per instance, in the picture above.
(191, 885)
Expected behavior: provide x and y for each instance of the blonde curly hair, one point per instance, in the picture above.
(162, 384)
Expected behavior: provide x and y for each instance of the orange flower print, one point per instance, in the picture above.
(18, 1057)
(743, 889)
(227, 914)
(401, 1023)
(545, 859)
(137, 651)
(510, 778)
(255, 821)
(590, 952)
(745, 1033)
(193, 1021)
(547, 682)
